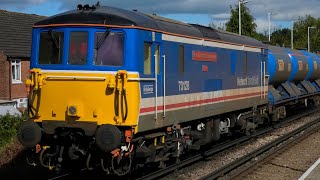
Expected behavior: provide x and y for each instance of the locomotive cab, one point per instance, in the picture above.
(80, 91)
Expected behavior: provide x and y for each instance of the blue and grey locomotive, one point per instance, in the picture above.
(114, 86)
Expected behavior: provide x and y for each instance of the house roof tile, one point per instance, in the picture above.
(16, 33)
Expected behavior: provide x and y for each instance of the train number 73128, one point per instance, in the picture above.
(184, 85)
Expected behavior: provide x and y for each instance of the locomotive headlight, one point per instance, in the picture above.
(73, 110)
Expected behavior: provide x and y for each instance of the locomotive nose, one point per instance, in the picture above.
(29, 134)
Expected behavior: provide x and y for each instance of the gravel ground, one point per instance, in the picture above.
(202, 168)
(292, 163)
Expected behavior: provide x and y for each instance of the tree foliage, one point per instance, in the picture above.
(220, 26)
(8, 128)
(300, 33)
(247, 21)
(279, 37)
(282, 37)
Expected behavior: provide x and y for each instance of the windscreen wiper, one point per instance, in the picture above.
(103, 38)
(54, 39)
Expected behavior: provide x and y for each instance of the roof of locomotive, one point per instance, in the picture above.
(121, 17)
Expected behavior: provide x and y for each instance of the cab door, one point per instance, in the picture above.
(152, 85)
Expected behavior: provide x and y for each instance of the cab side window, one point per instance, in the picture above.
(181, 59)
(245, 62)
(157, 53)
(147, 58)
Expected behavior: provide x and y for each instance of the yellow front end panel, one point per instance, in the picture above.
(87, 97)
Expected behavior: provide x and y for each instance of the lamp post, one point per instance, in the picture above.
(292, 33)
(241, 2)
(312, 27)
(269, 19)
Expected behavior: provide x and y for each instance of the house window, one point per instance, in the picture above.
(16, 71)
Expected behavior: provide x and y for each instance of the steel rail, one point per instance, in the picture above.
(269, 155)
(308, 128)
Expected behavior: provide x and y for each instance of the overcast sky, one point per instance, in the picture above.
(193, 11)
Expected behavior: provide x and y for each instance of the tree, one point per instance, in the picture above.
(301, 33)
(220, 26)
(260, 36)
(281, 37)
(247, 21)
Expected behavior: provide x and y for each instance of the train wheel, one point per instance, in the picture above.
(275, 117)
(215, 130)
(212, 131)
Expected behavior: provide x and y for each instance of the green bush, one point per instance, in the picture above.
(8, 128)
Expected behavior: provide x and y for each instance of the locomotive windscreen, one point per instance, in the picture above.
(78, 48)
(51, 47)
(109, 51)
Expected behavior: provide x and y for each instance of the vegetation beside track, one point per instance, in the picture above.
(8, 129)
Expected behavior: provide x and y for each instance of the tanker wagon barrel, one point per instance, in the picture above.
(293, 73)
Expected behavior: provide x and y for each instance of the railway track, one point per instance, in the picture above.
(226, 145)
(291, 162)
(242, 167)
